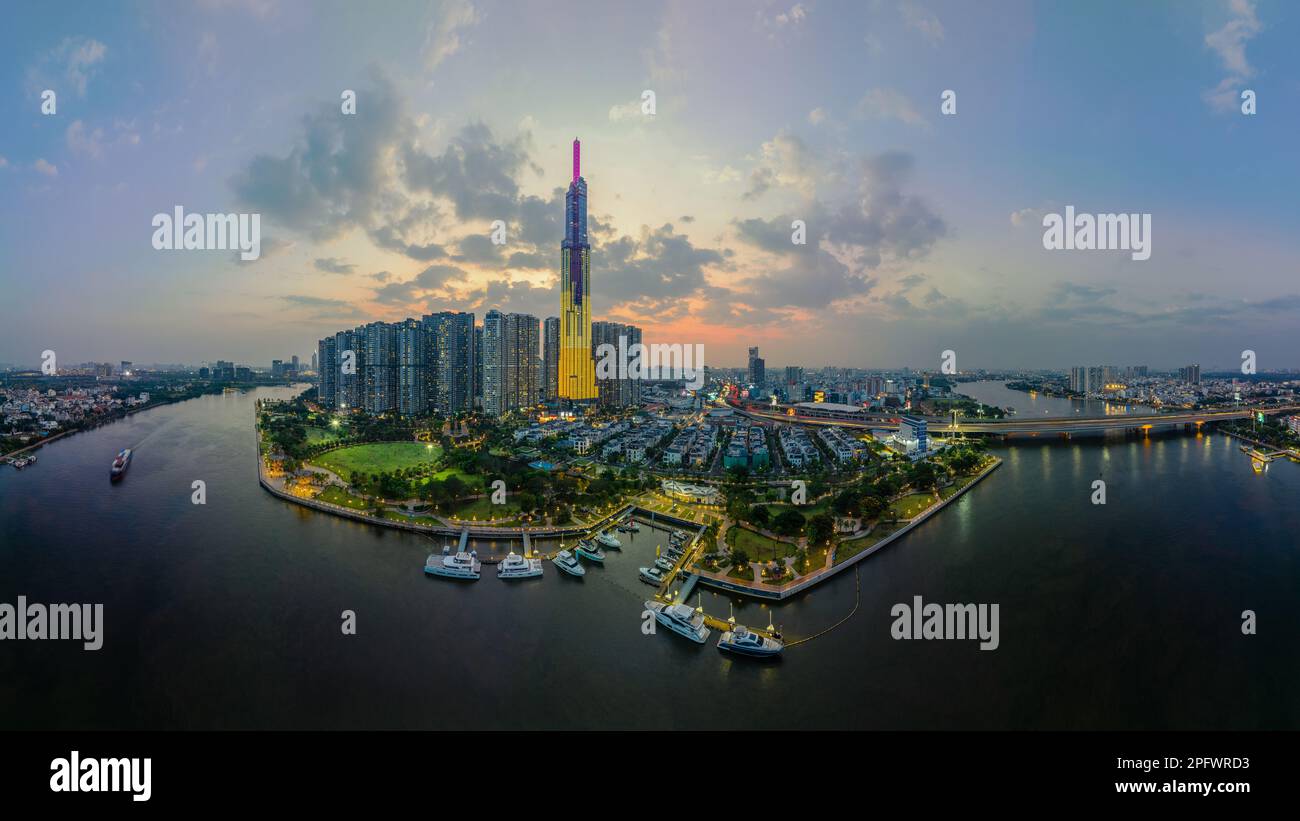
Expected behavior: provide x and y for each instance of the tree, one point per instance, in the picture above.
(789, 523)
(820, 528)
(847, 503)
(759, 515)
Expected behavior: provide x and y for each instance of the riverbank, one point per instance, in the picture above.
(100, 422)
(834, 564)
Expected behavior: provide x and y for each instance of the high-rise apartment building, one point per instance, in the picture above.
(412, 368)
(512, 370)
(613, 390)
(551, 358)
(757, 372)
(380, 370)
(325, 363)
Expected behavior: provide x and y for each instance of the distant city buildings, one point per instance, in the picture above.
(757, 372)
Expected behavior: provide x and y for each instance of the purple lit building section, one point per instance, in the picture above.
(575, 233)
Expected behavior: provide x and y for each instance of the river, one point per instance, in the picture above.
(227, 615)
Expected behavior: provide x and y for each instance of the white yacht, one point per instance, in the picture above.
(458, 566)
(682, 619)
(664, 565)
(652, 575)
(515, 566)
(740, 639)
(569, 563)
(609, 540)
(588, 550)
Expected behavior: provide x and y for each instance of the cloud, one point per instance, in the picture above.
(423, 285)
(1229, 43)
(787, 19)
(888, 104)
(845, 241)
(1032, 217)
(629, 111)
(443, 38)
(784, 161)
(323, 308)
(46, 168)
(923, 21)
(335, 177)
(332, 265)
(69, 65)
(817, 116)
(81, 141)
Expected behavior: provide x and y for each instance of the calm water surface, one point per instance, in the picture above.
(227, 615)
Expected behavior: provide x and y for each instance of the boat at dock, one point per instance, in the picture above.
(609, 540)
(19, 464)
(743, 641)
(652, 575)
(664, 565)
(515, 566)
(460, 565)
(569, 563)
(589, 550)
(682, 619)
(120, 464)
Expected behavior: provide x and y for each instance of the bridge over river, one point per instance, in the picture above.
(1026, 425)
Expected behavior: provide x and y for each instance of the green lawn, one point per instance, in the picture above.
(377, 457)
(472, 480)
(745, 573)
(808, 511)
(484, 509)
(911, 505)
(316, 436)
(339, 496)
(757, 546)
(847, 550)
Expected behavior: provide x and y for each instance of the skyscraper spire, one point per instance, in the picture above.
(577, 372)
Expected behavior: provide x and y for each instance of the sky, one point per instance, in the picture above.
(924, 229)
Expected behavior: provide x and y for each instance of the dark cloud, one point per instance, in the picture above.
(333, 178)
(333, 265)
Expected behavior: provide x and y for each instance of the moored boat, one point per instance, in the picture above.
(740, 639)
(569, 563)
(609, 540)
(652, 575)
(458, 566)
(515, 566)
(682, 619)
(588, 550)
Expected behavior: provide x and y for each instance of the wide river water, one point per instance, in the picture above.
(227, 615)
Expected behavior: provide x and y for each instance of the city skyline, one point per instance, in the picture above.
(924, 229)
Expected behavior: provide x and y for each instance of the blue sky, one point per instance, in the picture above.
(925, 229)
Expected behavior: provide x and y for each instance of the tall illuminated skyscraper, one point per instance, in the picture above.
(577, 377)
